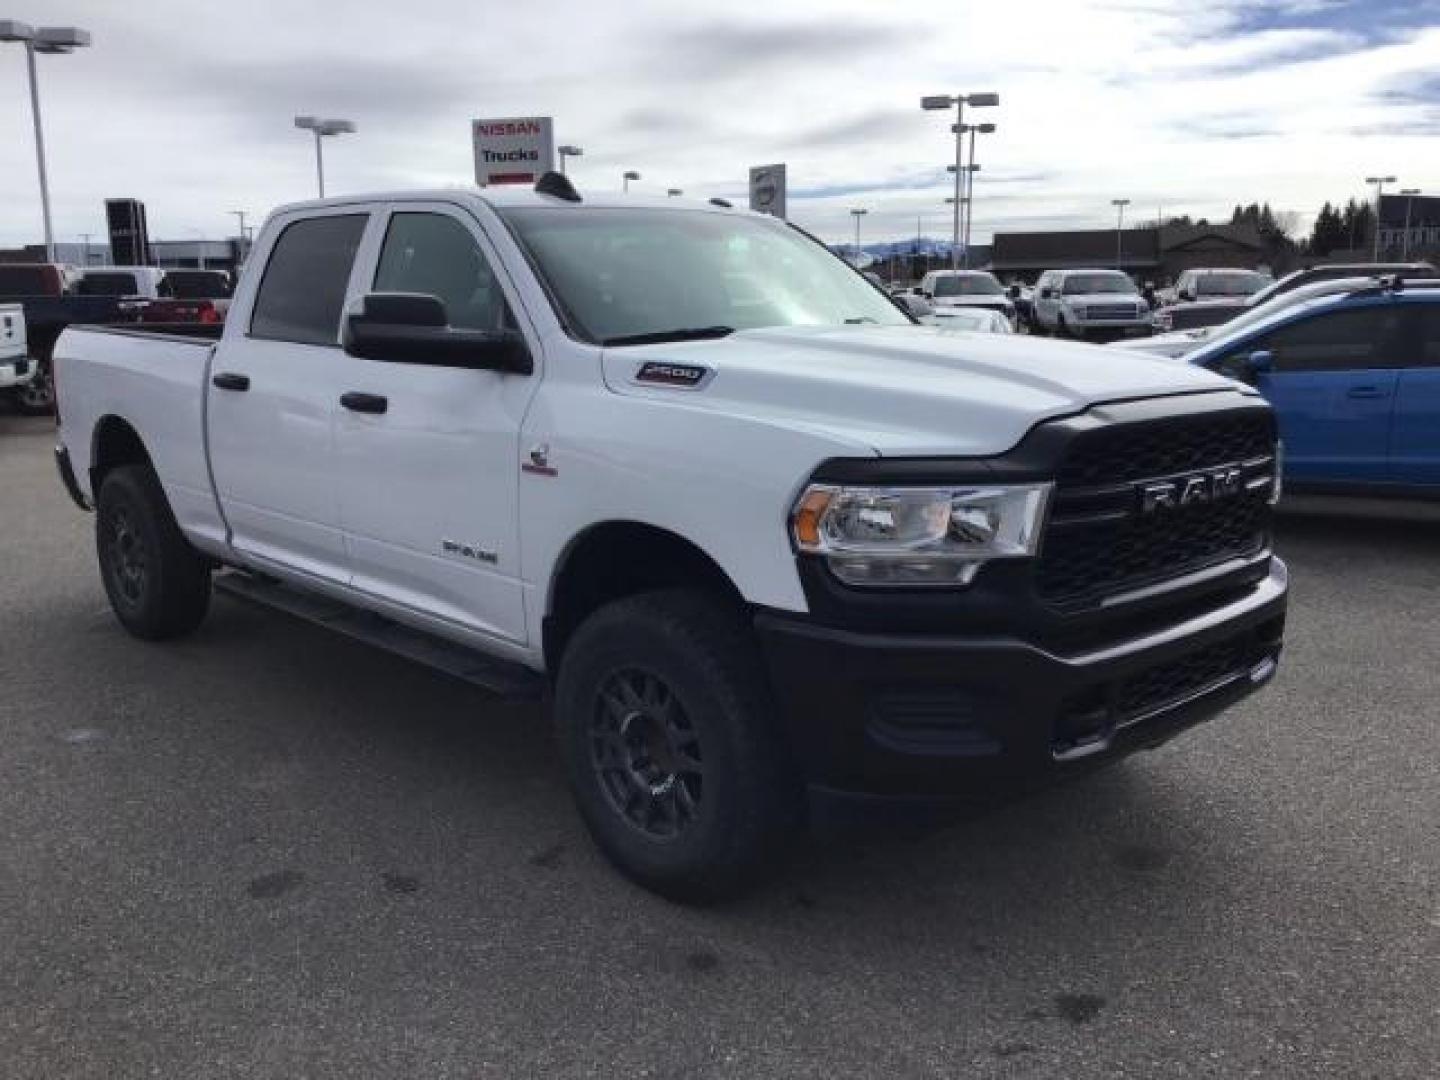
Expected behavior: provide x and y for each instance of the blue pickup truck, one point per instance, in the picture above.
(1355, 381)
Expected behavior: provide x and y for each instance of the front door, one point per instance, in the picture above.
(1333, 388)
(428, 487)
(271, 402)
(1415, 444)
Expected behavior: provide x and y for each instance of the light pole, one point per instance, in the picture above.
(630, 174)
(1119, 205)
(568, 151)
(1409, 193)
(970, 170)
(85, 239)
(50, 40)
(938, 102)
(1379, 182)
(322, 128)
(857, 215)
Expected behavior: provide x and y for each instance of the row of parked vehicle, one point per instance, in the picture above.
(38, 300)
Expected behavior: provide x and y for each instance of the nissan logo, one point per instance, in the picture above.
(1188, 490)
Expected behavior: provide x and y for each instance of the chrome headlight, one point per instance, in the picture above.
(917, 536)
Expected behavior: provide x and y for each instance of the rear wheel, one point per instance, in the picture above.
(158, 585)
(37, 397)
(667, 729)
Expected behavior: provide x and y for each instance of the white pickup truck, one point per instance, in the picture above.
(16, 368)
(675, 467)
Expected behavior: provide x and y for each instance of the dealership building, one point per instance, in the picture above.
(1409, 226)
(1148, 254)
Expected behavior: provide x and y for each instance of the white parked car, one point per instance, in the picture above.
(16, 367)
(131, 282)
(1180, 342)
(677, 471)
(1085, 303)
(1215, 283)
(975, 320)
(967, 288)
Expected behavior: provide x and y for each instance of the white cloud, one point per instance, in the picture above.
(188, 106)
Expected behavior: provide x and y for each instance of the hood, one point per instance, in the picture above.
(1000, 302)
(1104, 298)
(902, 391)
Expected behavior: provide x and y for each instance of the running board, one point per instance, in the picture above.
(511, 681)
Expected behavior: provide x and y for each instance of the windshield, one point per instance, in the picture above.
(622, 273)
(107, 284)
(1077, 284)
(1238, 283)
(967, 285)
(197, 284)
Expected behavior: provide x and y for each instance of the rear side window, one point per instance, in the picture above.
(108, 284)
(1430, 335)
(303, 289)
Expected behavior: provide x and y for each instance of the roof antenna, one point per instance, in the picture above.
(557, 185)
(726, 203)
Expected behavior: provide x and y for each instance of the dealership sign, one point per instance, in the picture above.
(516, 150)
(767, 189)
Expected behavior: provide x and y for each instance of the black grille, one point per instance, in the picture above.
(1165, 448)
(1168, 683)
(1100, 543)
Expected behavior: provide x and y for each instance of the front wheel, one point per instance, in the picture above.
(37, 397)
(667, 729)
(158, 585)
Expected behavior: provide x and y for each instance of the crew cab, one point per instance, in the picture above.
(677, 468)
(1355, 382)
(1089, 303)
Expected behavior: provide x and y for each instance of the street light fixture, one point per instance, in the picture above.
(1119, 205)
(675, 192)
(51, 41)
(939, 102)
(322, 128)
(857, 215)
(568, 151)
(1409, 193)
(630, 174)
(1379, 182)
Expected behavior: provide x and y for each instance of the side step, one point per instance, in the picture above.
(511, 681)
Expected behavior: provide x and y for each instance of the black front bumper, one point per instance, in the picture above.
(963, 717)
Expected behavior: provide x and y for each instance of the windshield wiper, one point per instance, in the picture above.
(688, 333)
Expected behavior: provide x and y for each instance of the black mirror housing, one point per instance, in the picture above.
(413, 328)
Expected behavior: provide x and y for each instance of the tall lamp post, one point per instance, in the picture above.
(321, 128)
(1119, 205)
(630, 174)
(49, 40)
(970, 170)
(568, 151)
(1409, 193)
(857, 215)
(1379, 182)
(940, 102)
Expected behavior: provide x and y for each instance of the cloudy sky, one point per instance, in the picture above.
(1190, 106)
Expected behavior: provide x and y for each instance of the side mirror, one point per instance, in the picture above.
(1047, 293)
(1014, 292)
(1186, 294)
(413, 328)
(1260, 362)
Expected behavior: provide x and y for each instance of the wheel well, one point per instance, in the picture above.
(618, 559)
(115, 443)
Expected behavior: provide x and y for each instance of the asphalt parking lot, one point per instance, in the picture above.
(267, 851)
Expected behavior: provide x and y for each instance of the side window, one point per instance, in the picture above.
(303, 290)
(1428, 355)
(436, 255)
(1337, 341)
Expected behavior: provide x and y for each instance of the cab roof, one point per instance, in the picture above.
(520, 195)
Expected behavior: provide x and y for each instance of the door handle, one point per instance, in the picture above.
(356, 401)
(228, 380)
(1365, 392)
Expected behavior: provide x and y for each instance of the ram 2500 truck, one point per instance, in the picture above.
(680, 470)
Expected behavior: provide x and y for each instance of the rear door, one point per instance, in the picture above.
(1415, 445)
(1333, 387)
(271, 406)
(428, 486)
